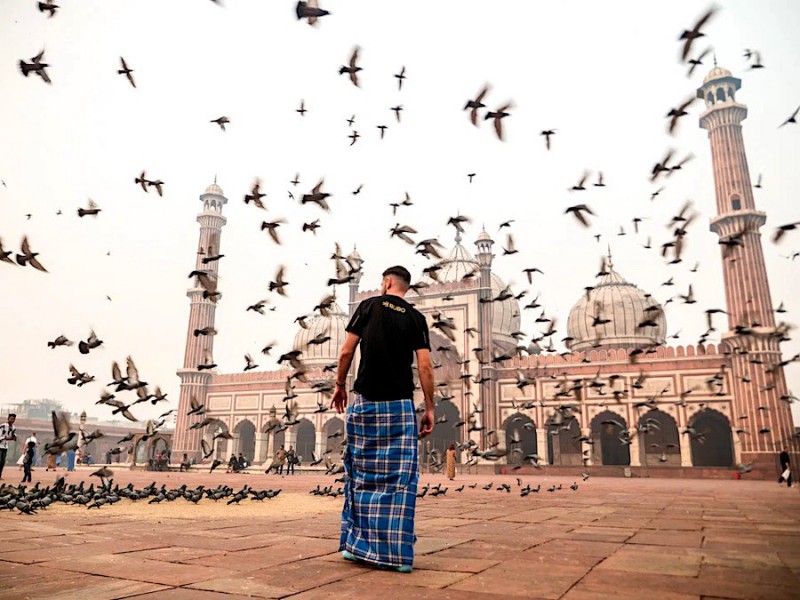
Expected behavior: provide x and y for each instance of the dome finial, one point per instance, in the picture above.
(215, 179)
(610, 262)
(715, 59)
(458, 236)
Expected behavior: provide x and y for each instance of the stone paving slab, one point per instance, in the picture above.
(67, 551)
(516, 577)
(33, 581)
(622, 538)
(124, 566)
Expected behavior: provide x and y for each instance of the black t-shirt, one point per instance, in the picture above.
(784, 459)
(390, 330)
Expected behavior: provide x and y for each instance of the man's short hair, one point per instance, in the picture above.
(12, 415)
(401, 273)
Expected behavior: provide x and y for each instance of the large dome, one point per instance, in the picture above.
(626, 306)
(506, 315)
(318, 355)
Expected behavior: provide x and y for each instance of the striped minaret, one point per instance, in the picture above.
(199, 348)
(752, 338)
(488, 389)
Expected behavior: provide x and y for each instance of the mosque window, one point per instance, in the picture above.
(730, 93)
(710, 98)
(736, 202)
(721, 94)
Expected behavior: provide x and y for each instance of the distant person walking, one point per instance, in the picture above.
(291, 460)
(786, 468)
(451, 462)
(381, 425)
(27, 461)
(8, 433)
(32, 438)
(280, 459)
(50, 462)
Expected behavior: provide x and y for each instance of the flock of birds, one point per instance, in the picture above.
(30, 500)
(435, 491)
(346, 268)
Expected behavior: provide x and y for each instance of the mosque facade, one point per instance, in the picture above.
(622, 396)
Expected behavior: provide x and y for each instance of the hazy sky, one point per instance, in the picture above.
(603, 74)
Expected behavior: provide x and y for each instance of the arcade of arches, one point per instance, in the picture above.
(655, 441)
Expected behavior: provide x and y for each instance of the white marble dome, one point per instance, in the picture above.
(506, 314)
(626, 306)
(214, 189)
(319, 355)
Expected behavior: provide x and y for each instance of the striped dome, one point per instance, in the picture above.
(625, 305)
(214, 189)
(717, 73)
(319, 355)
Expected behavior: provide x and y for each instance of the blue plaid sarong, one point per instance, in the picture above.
(380, 491)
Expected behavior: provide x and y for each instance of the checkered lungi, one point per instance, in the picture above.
(380, 492)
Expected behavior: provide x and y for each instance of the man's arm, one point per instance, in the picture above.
(425, 368)
(346, 354)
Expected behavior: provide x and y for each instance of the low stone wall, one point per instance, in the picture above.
(620, 471)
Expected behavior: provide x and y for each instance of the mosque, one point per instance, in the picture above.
(621, 397)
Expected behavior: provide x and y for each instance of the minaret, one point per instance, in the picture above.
(751, 331)
(194, 382)
(355, 260)
(488, 397)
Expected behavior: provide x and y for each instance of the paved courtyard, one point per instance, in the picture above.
(626, 538)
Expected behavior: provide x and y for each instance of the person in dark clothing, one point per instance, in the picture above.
(381, 426)
(291, 460)
(27, 462)
(233, 464)
(786, 472)
(185, 464)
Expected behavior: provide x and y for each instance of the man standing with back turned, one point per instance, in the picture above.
(381, 425)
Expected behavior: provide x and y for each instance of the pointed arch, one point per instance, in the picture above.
(444, 433)
(334, 435)
(563, 442)
(610, 445)
(711, 439)
(245, 437)
(220, 445)
(305, 440)
(659, 440)
(521, 428)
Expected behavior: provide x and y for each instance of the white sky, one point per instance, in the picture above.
(603, 74)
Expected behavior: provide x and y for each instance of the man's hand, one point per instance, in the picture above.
(339, 401)
(426, 425)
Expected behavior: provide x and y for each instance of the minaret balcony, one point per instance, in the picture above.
(736, 221)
